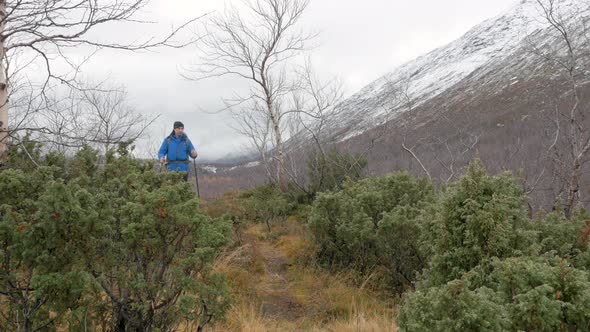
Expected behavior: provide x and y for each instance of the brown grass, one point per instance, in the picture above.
(276, 269)
(229, 203)
(248, 318)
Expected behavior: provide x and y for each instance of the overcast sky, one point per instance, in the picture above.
(359, 41)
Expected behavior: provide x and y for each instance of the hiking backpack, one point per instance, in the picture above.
(184, 138)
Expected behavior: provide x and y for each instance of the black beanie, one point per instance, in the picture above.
(178, 124)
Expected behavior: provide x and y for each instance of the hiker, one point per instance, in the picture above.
(176, 149)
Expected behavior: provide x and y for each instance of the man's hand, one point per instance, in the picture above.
(163, 160)
(194, 154)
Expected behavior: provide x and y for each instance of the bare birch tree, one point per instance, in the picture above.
(407, 102)
(39, 33)
(111, 119)
(102, 119)
(313, 156)
(258, 45)
(568, 54)
(256, 127)
(443, 154)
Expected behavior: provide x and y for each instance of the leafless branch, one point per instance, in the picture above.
(41, 33)
(257, 46)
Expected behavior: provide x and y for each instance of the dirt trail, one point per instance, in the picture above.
(277, 302)
(276, 290)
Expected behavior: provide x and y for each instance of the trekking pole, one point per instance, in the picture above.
(196, 177)
(162, 165)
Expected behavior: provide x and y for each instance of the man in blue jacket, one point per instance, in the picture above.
(176, 149)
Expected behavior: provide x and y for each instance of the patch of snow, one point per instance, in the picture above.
(248, 165)
(211, 169)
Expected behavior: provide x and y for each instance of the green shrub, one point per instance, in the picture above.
(478, 218)
(267, 204)
(42, 227)
(373, 223)
(157, 245)
(84, 163)
(399, 246)
(453, 307)
(517, 294)
(122, 245)
(543, 294)
(567, 238)
(25, 155)
(493, 269)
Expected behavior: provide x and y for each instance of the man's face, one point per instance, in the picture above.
(178, 131)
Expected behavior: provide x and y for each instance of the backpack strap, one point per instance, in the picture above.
(185, 140)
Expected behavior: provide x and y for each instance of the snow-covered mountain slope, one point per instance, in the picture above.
(479, 51)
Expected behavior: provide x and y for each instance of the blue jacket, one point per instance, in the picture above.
(176, 151)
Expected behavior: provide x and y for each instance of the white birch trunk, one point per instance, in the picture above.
(3, 88)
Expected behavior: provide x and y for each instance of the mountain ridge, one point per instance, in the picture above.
(431, 74)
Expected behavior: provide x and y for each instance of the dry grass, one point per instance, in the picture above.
(249, 318)
(229, 203)
(325, 301)
(360, 322)
(330, 297)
